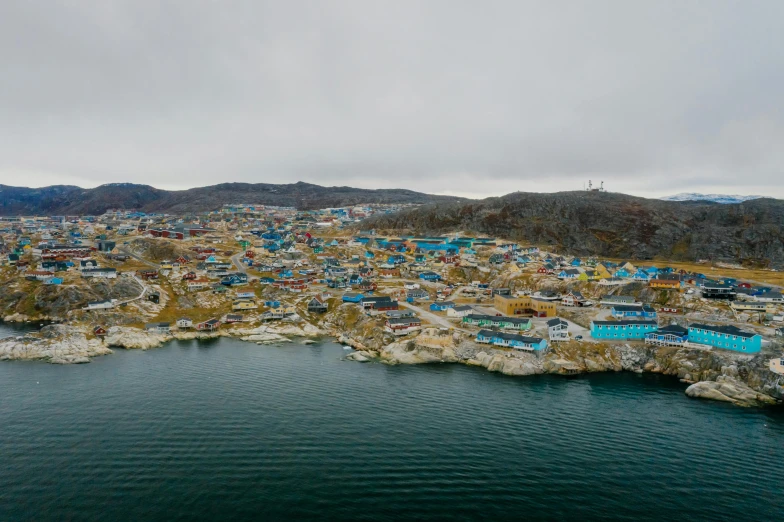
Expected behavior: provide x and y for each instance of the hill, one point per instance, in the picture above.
(67, 199)
(611, 225)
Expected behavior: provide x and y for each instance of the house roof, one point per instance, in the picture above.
(725, 329)
(556, 322)
(624, 323)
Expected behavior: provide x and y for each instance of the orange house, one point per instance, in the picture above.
(666, 284)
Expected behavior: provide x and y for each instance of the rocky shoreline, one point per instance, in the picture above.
(724, 376)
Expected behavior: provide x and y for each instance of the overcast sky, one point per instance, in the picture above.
(472, 98)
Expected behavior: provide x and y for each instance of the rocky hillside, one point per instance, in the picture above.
(612, 225)
(65, 199)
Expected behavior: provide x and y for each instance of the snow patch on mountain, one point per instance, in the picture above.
(716, 198)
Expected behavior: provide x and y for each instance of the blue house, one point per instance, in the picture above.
(369, 255)
(670, 335)
(641, 275)
(54, 281)
(622, 273)
(652, 271)
(622, 329)
(234, 279)
(576, 262)
(569, 273)
(510, 340)
(352, 298)
(397, 259)
(443, 305)
(633, 311)
(272, 304)
(266, 280)
(430, 276)
(725, 337)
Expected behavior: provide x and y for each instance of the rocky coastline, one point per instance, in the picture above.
(724, 376)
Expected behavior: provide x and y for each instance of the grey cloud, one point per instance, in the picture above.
(463, 97)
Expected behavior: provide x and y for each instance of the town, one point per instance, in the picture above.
(253, 265)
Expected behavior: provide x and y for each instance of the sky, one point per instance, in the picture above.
(470, 98)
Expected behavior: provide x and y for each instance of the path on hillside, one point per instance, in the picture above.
(137, 257)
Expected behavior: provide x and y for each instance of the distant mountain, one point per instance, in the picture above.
(715, 198)
(67, 199)
(609, 225)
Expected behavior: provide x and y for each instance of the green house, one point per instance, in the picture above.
(493, 321)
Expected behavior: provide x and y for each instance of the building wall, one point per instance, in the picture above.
(523, 305)
(725, 341)
(620, 331)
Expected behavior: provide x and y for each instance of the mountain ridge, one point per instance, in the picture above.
(69, 199)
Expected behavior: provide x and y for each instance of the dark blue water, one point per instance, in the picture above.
(230, 430)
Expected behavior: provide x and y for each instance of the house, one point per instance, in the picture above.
(413, 295)
(232, 318)
(634, 310)
(429, 276)
(627, 329)
(317, 305)
(244, 304)
(100, 305)
(610, 300)
(53, 281)
(352, 298)
(726, 337)
(99, 331)
(711, 290)
(558, 330)
(198, 284)
(88, 263)
(234, 279)
(209, 325)
(670, 335)
(666, 283)
(403, 312)
(379, 303)
(525, 305)
(184, 322)
(402, 325)
(158, 327)
(441, 306)
(105, 273)
(569, 273)
(573, 298)
(510, 340)
(770, 297)
(388, 273)
(497, 321)
(459, 311)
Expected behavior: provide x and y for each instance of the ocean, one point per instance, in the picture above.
(224, 429)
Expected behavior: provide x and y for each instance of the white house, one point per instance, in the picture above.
(106, 273)
(459, 311)
(558, 329)
(184, 322)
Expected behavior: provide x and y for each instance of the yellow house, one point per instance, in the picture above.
(602, 271)
(525, 305)
(666, 284)
(244, 305)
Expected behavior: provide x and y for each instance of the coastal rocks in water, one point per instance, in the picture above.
(360, 356)
(56, 343)
(430, 346)
(728, 389)
(133, 338)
